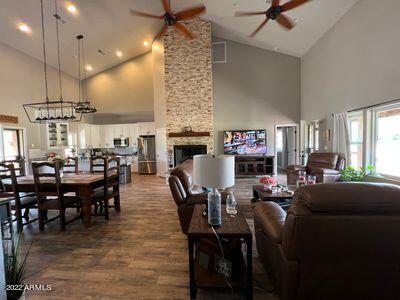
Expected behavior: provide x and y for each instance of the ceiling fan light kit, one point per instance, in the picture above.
(275, 13)
(172, 19)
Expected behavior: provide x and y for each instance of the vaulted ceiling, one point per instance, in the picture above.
(108, 26)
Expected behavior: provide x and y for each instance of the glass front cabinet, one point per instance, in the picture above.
(57, 135)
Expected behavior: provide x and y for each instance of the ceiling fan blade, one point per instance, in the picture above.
(285, 21)
(166, 6)
(249, 13)
(275, 3)
(182, 29)
(293, 4)
(143, 14)
(161, 33)
(259, 27)
(191, 12)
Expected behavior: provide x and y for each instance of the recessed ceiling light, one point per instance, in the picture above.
(89, 68)
(118, 53)
(145, 43)
(71, 8)
(24, 28)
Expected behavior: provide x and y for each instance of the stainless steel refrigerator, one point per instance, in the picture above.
(147, 154)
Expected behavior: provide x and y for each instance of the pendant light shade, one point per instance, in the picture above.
(52, 111)
(83, 106)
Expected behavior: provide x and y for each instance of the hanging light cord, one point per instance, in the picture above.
(44, 53)
(58, 51)
(84, 72)
(79, 71)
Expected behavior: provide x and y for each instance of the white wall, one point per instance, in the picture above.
(255, 89)
(357, 63)
(125, 89)
(22, 81)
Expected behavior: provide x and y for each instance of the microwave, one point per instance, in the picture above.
(121, 142)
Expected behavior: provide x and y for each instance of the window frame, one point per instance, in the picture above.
(374, 133)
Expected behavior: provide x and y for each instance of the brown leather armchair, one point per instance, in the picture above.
(185, 194)
(338, 241)
(325, 166)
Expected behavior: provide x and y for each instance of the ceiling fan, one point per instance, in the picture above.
(173, 19)
(275, 12)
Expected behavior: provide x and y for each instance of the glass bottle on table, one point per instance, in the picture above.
(311, 179)
(231, 204)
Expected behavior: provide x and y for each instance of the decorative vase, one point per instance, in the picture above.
(268, 187)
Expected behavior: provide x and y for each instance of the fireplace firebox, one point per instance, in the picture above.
(184, 152)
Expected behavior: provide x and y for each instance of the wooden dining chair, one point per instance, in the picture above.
(110, 189)
(71, 165)
(50, 194)
(19, 165)
(22, 201)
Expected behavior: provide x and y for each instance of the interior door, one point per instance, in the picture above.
(291, 146)
(161, 151)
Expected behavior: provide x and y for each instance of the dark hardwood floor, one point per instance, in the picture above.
(137, 254)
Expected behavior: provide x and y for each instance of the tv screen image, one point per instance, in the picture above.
(243, 142)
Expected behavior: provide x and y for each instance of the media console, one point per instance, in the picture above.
(249, 165)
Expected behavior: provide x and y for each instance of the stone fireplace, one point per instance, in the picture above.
(184, 152)
(183, 86)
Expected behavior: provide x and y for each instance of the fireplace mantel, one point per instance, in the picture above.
(189, 134)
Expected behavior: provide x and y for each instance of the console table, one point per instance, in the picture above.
(234, 227)
(253, 165)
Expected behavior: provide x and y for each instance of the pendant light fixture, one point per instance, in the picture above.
(52, 111)
(83, 106)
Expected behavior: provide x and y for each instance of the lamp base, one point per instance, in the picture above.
(214, 208)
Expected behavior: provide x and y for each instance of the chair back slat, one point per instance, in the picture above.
(19, 165)
(113, 168)
(97, 164)
(109, 166)
(71, 165)
(43, 186)
(7, 172)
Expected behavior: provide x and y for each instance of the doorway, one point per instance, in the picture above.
(13, 144)
(286, 145)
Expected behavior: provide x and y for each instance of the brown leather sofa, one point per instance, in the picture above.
(338, 241)
(185, 194)
(325, 166)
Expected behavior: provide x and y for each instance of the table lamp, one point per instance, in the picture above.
(214, 172)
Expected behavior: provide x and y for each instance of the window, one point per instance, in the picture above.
(387, 141)
(11, 141)
(375, 139)
(356, 139)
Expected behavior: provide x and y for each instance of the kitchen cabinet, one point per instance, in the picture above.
(146, 128)
(132, 134)
(57, 135)
(107, 136)
(96, 136)
(84, 136)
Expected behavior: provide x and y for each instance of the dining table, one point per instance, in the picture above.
(83, 184)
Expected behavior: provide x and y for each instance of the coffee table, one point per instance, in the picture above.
(234, 227)
(284, 199)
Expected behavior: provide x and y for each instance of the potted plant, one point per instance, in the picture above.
(351, 174)
(15, 268)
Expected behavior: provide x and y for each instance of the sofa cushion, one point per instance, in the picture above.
(322, 160)
(356, 198)
(270, 217)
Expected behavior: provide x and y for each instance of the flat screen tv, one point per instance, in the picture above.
(245, 142)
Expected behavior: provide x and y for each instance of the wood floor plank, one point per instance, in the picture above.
(139, 253)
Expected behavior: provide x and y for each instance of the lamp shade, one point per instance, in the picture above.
(214, 171)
